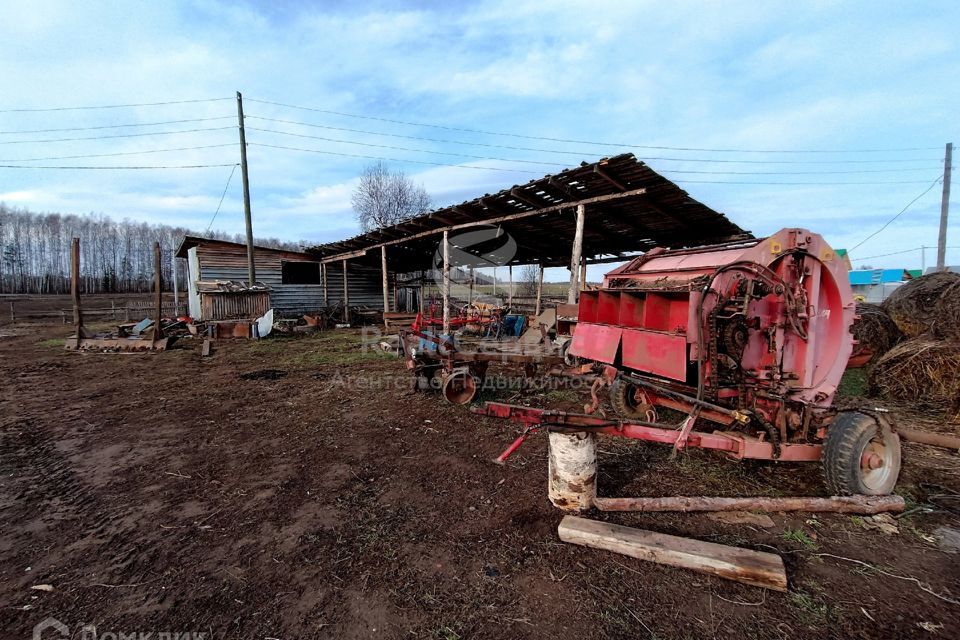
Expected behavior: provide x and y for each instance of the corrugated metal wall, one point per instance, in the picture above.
(230, 263)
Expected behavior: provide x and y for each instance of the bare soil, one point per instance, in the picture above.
(166, 492)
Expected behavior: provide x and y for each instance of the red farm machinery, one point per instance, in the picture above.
(749, 340)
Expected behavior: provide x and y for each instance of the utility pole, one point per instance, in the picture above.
(944, 209)
(251, 269)
(923, 259)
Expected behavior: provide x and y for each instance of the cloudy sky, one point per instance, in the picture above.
(850, 102)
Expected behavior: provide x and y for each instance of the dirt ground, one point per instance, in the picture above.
(167, 493)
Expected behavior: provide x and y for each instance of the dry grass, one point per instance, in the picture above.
(923, 370)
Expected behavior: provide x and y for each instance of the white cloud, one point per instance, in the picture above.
(823, 75)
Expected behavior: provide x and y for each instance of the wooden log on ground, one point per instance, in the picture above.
(932, 439)
(838, 504)
(743, 565)
(205, 349)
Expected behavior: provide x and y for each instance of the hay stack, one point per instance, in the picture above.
(946, 313)
(912, 306)
(875, 332)
(923, 370)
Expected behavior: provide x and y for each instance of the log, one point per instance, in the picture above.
(837, 504)
(932, 439)
(743, 565)
(205, 349)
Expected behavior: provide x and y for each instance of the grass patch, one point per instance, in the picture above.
(853, 384)
(53, 342)
(811, 610)
(322, 348)
(799, 536)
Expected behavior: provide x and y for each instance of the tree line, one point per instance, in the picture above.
(115, 257)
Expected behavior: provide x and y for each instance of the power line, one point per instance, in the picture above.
(111, 106)
(902, 211)
(119, 135)
(222, 196)
(589, 142)
(395, 148)
(184, 166)
(558, 164)
(581, 153)
(505, 169)
(117, 126)
(832, 183)
(356, 155)
(897, 253)
(122, 153)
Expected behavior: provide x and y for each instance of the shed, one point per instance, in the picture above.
(295, 281)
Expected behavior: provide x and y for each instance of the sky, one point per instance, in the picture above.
(816, 94)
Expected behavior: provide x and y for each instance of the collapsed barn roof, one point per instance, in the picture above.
(630, 208)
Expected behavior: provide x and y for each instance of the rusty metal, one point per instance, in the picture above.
(736, 445)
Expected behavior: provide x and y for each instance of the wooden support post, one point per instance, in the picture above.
(326, 295)
(583, 275)
(536, 312)
(13, 314)
(446, 283)
(494, 282)
(837, 504)
(575, 256)
(386, 285)
(346, 294)
(173, 277)
(470, 294)
(158, 287)
(75, 291)
(743, 565)
(510, 285)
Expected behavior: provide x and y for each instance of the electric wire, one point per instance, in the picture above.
(111, 106)
(118, 126)
(396, 148)
(897, 253)
(587, 142)
(902, 211)
(560, 164)
(182, 166)
(122, 153)
(581, 153)
(119, 135)
(369, 157)
(222, 196)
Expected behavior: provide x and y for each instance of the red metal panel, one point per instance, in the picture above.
(631, 309)
(662, 354)
(596, 342)
(589, 300)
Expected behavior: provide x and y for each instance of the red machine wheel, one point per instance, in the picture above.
(460, 387)
(630, 402)
(860, 456)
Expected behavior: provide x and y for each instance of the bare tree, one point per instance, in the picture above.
(384, 197)
(529, 278)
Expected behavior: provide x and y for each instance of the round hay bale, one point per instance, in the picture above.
(912, 305)
(875, 332)
(946, 313)
(923, 370)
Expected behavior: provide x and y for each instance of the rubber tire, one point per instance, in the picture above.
(568, 358)
(623, 405)
(847, 437)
